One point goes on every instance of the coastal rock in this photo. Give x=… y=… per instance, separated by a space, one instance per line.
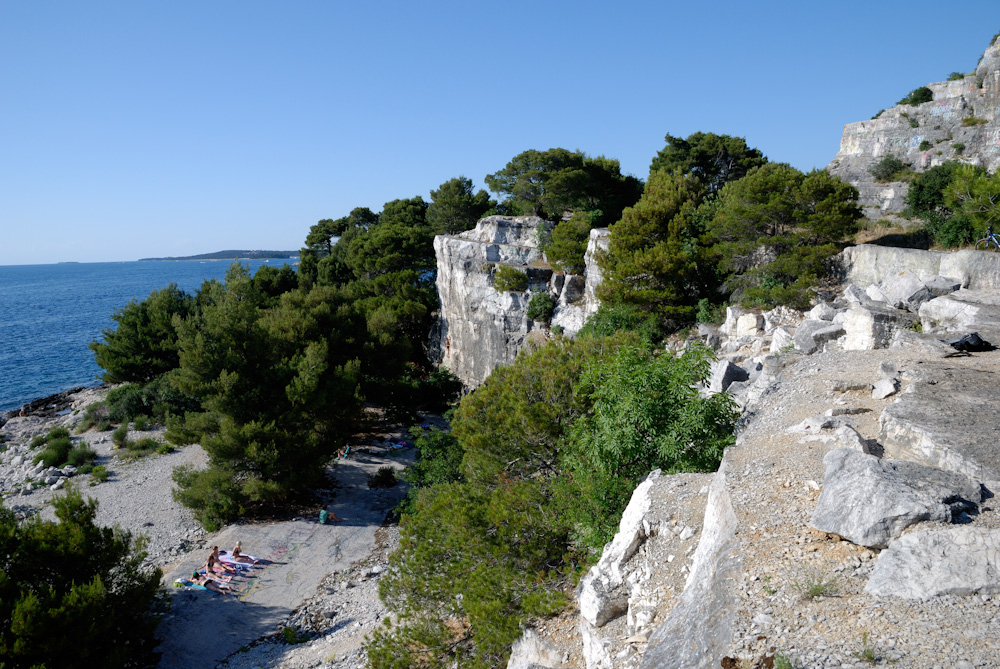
x=533 y=651
x=870 y=501
x=873 y=327
x=480 y=327
x=954 y=561
x=939 y=422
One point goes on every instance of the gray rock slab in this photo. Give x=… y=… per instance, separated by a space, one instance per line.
x=906 y=291
x=947 y=419
x=532 y=651
x=811 y=335
x=955 y=561
x=885 y=388
x=869 y=501
x=699 y=630
x=963 y=312
x=724 y=374
x=873 y=326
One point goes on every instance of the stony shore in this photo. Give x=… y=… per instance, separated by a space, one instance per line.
x=323 y=580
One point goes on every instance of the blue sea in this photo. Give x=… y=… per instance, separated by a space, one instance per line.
x=50 y=313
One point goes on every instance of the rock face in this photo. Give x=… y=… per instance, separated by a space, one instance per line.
x=479 y=327
x=959 y=561
x=945 y=419
x=925 y=135
x=869 y=501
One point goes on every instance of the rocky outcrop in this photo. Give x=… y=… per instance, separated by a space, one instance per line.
x=958 y=561
x=869 y=501
x=946 y=419
x=480 y=328
x=960 y=123
x=867 y=264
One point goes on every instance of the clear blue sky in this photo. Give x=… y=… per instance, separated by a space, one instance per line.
x=132 y=129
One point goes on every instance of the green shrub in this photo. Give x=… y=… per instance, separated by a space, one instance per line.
x=888 y=168
x=81 y=455
x=144 y=446
x=140 y=423
x=55 y=453
x=557 y=330
x=96 y=414
x=956 y=76
x=57 y=433
x=124 y=402
x=949 y=231
x=292 y=636
x=973 y=120
x=103 y=426
x=541 y=307
x=877 y=114
x=925 y=145
x=959 y=148
x=98 y=474
x=612 y=318
x=707 y=312
x=120 y=436
x=75 y=594
x=569 y=244
x=212 y=494
x=509 y=279
x=384 y=477
x=917 y=96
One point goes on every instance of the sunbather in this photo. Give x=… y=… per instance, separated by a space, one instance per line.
x=215 y=563
x=237 y=555
x=209 y=583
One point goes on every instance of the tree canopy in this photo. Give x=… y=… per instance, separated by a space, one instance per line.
x=714 y=160
x=73 y=594
x=455 y=208
x=144 y=343
x=549 y=183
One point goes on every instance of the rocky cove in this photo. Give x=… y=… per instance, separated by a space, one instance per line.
x=853 y=518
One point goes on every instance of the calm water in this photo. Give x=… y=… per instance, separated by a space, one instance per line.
x=50 y=313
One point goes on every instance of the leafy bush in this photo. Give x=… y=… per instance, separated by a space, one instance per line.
x=509 y=279
x=81 y=455
x=212 y=494
x=144 y=446
x=384 y=477
x=917 y=96
x=120 y=436
x=925 y=145
x=74 y=594
x=57 y=445
x=878 y=113
x=55 y=453
x=540 y=466
x=956 y=76
x=959 y=148
x=557 y=330
x=710 y=313
x=541 y=307
x=99 y=474
x=96 y=414
x=888 y=168
x=612 y=318
x=140 y=423
x=973 y=120
x=569 y=244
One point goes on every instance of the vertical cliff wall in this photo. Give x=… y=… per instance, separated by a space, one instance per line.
x=960 y=123
x=480 y=328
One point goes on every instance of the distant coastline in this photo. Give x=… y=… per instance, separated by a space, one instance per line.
x=231 y=255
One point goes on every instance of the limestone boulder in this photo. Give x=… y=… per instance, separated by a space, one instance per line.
x=955 y=561
x=724 y=374
x=962 y=312
x=943 y=420
x=531 y=651
x=873 y=327
x=869 y=501
x=906 y=291
x=781 y=339
x=811 y=335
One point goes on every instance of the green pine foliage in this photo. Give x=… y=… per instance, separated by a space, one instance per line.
x=714 y=160
x=551 y=448
x=508 y=278
x=917 y=96
x=455 y=208
x=144 y=344
x=541 y=306
x=569 y=244
x=774 y=230
x=73 y=594
x=655 y=260
x=889 y=168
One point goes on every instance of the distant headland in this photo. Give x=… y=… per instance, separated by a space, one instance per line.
x=232 y=255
